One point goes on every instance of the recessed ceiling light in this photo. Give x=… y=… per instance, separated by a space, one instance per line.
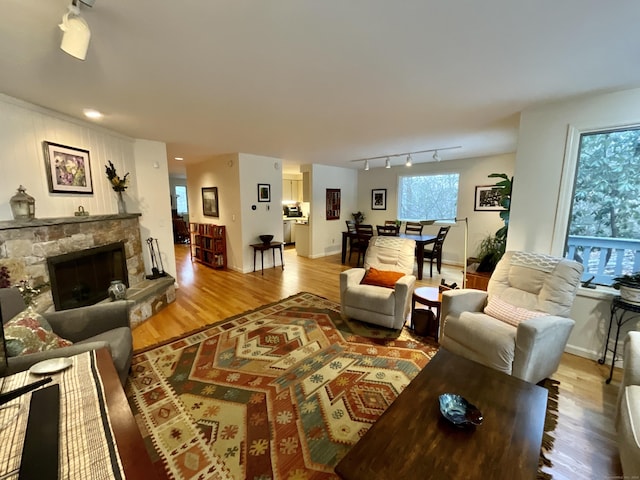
x=91 y=113
x=178 y=158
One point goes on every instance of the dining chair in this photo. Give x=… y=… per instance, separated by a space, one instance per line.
x=353 y=239
x=413 y=228
x=436 y=252
x=364 y=234
x=388 y=230
x=390 y=222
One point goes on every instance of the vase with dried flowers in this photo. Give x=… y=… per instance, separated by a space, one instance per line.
x=118 y=184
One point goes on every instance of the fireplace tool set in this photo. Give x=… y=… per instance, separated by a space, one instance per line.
x=157 y=269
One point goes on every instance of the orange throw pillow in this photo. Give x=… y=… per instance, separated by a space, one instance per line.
x=381 y=278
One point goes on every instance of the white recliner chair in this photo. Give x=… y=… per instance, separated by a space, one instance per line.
x=521 y=324
x=628 y=408
x=384 y=306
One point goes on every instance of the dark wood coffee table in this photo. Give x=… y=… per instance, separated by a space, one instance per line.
x=412 y=440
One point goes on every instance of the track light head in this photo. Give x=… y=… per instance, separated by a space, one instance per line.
x=436 y=157
x=408 y=163
x=366 y=164
x=387 y=163
x=76 y=33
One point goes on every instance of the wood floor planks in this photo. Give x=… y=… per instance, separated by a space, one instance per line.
x=585 y=445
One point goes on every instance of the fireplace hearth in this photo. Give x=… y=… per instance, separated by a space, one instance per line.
x=27 y=246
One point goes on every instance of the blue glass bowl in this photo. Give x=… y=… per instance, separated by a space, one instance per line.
x=459 y=411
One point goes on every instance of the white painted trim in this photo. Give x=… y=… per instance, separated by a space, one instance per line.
x=583 y=352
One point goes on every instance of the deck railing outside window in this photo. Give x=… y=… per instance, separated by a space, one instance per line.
x=604 y=258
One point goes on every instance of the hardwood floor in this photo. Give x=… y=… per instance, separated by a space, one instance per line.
x=585 y=446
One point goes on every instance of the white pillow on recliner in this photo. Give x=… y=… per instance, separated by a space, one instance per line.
x=508 y=313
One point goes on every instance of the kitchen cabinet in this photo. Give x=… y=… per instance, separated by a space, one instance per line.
x=306 y=187
x=292 y=191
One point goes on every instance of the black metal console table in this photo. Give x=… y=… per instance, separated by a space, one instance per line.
x=621 y=313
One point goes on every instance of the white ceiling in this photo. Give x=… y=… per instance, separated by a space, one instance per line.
x=320 y=81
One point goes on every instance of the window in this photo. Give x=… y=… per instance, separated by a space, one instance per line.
x=604 y=223
x=428 y=197
x=181 y=199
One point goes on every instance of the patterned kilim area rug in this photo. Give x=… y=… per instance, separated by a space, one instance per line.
x=280 y=392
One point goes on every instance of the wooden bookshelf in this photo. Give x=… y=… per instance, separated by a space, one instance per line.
x=208 y=244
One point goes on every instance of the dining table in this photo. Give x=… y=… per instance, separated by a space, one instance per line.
x=421 y=241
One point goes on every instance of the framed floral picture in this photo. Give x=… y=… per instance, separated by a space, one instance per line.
x=68 y=169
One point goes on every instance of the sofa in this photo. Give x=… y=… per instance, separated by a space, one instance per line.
x=628 y=411
x=104 y=325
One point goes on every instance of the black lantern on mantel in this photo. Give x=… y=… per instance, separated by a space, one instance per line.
x=23 y=205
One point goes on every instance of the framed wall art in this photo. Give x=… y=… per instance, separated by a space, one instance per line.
x=68 y=169
x=488 y=199
x=333 y=203
x=379 y=199
x=264 y=192
x=210 y=201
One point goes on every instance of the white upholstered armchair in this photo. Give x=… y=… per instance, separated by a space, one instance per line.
x=521 y=324
x=384 y=306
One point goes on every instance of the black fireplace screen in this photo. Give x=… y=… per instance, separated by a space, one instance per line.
x=83 y=278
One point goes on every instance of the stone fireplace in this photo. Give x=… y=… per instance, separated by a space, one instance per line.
x=25 y=247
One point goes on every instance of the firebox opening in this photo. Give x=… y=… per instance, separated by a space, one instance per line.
x=82 y=278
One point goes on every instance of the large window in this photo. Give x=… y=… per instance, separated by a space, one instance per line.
x=604 y=224
x=428 y=197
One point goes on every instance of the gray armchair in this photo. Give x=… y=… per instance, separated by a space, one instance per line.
x=532 y=294
x=104 y=325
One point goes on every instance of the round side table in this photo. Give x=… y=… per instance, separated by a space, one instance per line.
x=429 y=297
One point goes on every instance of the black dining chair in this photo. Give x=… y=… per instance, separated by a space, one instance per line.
x=364 y=232
x=413 y=228
x=353 y=239
x=388 y=230
x=436 y=252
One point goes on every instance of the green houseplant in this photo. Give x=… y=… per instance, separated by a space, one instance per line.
x=492 y=247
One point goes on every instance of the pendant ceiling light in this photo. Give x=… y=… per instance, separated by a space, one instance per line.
x=76 y=33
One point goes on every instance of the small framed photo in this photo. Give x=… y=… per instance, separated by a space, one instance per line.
x=379 y=199
x=210 y=201
x=264 y=192
x=488 y=199
x=68 y=169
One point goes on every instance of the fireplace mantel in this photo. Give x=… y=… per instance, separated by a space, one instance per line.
x=48 y=222
x=25 y=246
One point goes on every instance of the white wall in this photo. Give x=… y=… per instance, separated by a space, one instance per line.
x=23 y=128
x=535 y=201
x=325 y=236
x=266 y=219
x=237 y=177
x=154 y=203
x=473 y=172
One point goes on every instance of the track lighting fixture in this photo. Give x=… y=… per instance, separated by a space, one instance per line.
x=76 y=33
x=409 y=159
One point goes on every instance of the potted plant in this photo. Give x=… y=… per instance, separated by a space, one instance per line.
x=492 y=247
x=358 y=217
x=629 y=286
